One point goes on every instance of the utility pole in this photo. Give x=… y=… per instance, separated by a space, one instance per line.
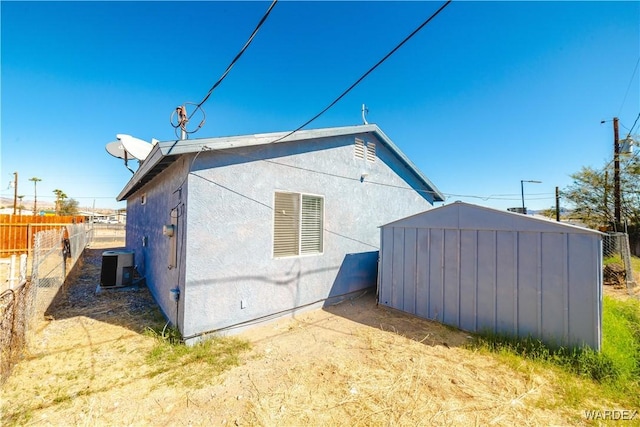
x=522 y=181
x=616 y=174
x=606 y=193
x=35 y=180
x=557 y=204
x=20 y=207
x=15 y=191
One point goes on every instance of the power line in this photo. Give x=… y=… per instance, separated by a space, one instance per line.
x=47 y=197
x=634 y=125
x=181 y=121
x=485 y=198
x=382 y=184
x=635 y=69
x=350 y=178
x=629 y=162
x=335 y=101
x=246 y=45
x=628 y=136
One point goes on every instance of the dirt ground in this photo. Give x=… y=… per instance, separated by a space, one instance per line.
x=350 y=364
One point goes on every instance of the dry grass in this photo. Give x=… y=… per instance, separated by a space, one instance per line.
x=376 y=376
x=350 y=364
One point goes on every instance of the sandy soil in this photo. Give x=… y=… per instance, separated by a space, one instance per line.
x=350 y=364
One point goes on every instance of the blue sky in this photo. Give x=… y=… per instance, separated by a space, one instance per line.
x=486 y=95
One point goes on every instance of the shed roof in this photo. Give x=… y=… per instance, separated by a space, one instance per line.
x=165 y=153
x=465 y=216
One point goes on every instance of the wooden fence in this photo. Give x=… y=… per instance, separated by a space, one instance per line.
x=17 y=231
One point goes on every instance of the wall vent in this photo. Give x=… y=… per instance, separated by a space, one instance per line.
x=371 y=151
x=358 y=151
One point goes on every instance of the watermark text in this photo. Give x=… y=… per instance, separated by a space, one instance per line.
x=613 y=414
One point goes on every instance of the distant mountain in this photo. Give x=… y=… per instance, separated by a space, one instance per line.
x=6 y=202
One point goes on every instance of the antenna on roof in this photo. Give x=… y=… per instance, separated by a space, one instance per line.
x=365 y=110
x=180 y=118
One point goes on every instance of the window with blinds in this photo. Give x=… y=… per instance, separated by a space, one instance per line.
x=297 y=224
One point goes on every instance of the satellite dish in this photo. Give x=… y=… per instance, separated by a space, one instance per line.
x=116 y=149
x=136 y=147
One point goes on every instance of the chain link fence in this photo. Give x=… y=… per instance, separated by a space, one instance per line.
x=13 y=271
x=55 y=253
x=618 y=270
x=14 y=310
x=102 y=235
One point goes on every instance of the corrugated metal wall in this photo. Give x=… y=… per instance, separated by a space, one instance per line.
x=543 y=284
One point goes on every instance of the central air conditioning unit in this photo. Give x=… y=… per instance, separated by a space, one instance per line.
x=117 y=269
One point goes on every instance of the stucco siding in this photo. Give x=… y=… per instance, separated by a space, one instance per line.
x=163 y=205
x=231 y=274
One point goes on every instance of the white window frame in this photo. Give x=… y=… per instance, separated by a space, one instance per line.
x=300 y=223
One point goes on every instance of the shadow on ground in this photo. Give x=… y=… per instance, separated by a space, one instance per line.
x=363 y=308
x=132 y=307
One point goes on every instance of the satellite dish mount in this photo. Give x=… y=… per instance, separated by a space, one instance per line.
x=180 y=119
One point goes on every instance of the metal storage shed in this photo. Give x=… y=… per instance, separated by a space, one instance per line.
x=481 y=269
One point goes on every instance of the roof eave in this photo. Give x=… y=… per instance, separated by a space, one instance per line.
x=437 y=195
x=166 y=152
x=154 y=158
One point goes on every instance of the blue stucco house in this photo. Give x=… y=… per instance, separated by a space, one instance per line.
x=234 y=231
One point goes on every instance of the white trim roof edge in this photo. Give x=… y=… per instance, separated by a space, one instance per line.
x=172 y=148
x=552 y=223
